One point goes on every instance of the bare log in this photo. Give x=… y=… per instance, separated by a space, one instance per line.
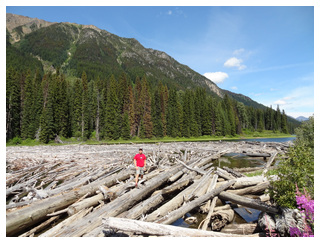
x=241 y=229
x=39 y=227
x=158 y=229
x=34 y=213
x=173 y=216
x=221 y=218
x=261 y=187
x=251 y=203
x=266 y=168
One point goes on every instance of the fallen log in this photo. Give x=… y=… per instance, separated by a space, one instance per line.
x=39 y=227
x=57 y=228
x=221 y=218
x=117 y=206
x=271 y=159
x=173 y=216
x=261 y=187
x=241 y=229
x=158 y=229
x=251 y=203
x=18 y=220
x=207 y=219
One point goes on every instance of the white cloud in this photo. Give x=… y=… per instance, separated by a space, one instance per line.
x=234 y=62
x=234 y=87
x=238 y=52
x=216 y=77
x=169 y=12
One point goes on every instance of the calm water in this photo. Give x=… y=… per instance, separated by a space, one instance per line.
x=278 y=140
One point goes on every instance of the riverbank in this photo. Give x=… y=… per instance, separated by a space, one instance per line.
x=242 y=137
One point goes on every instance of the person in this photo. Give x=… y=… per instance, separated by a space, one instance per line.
x=140 y=164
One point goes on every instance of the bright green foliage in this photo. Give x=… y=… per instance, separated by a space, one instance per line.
x=305 y=133
x=297 y=169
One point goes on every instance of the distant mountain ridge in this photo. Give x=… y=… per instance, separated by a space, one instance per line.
x=302 y=118
x=76 y=48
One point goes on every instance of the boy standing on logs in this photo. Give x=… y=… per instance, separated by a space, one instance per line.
x=140 y=163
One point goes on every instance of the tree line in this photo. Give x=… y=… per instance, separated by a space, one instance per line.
x=43 y=107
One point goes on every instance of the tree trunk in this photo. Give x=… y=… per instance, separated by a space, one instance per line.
x=169 y=219
x=158 y=229
x=20 y=219
x=228 y=196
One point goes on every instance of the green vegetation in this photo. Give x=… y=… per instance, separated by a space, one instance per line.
x=114 y=109
x=297 y=169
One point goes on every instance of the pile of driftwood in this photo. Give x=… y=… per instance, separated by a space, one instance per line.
x=83 y=190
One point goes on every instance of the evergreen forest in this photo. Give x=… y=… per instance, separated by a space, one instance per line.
x=44 y=106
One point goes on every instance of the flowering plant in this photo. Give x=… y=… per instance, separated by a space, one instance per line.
x=306 y=205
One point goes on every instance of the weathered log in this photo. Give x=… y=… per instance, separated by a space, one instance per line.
x=224 y=174
x=251 y=203
x=241 y=229
x=37 y=211
x=117 y=206
x=171 y=205
x=234 y=173
x=207 y=219
x=266 y=168
x=158 y=229
x=39 y=227
x=143 y=207
x=201 y=188
x=173 y=216
x=86 y=203
x=221 y=218
x=261 y=187
x=190 y=168
x=56 y=229
x=264 y=155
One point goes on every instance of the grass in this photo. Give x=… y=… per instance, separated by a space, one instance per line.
x=246 y=135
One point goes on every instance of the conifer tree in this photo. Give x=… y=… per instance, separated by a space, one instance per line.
x=112 y=110
x=147 y=118
x=131 y=113
x=157 y=114
x=172 y=115
x=77 y=108
x=125 y=132
x=284 y=127
x=84 y=107
x=13 y=104
x=164 y=95
x=27 y=120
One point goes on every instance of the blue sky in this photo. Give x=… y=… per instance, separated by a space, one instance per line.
x=266 y=53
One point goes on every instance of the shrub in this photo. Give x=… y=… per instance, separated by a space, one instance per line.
x=296 y=169
x=16 y=141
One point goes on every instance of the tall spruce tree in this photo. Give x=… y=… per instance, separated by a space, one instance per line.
x=77 y=108
x=13 y=104
x=85 y=107
x=157 y=114
x=172 y=115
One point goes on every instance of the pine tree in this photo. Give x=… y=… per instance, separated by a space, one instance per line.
x=13 y=104
x=172 y=115
x=157 y=114
x=84 y=107
x=147 y=118
x=112 y=111
x=28 y=128
x=47 y=123
x=284 y=127
x=164 y=95
x=125 y=133
x=77 y=109
x=131 y=112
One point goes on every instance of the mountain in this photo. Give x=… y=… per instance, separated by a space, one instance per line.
x=302 y=118
x=77 y=48
x=244 y=99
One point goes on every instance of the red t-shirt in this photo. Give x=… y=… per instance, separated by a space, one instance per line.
x=140 y=158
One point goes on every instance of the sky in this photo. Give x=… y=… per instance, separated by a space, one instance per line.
x=265 y=53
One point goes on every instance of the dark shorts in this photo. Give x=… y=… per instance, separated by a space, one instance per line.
x=139 y=171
